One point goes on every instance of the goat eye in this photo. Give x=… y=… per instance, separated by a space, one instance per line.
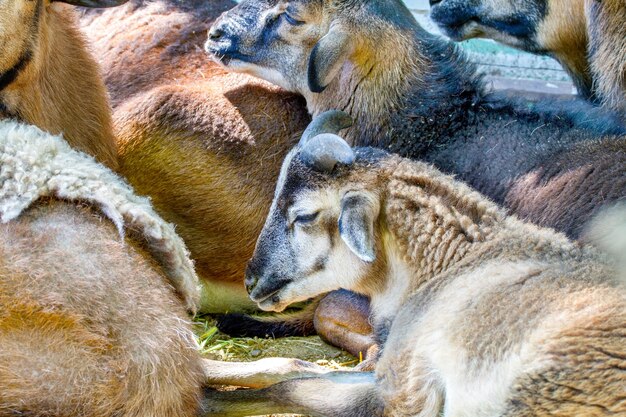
x=306 y=218
x=291 y=20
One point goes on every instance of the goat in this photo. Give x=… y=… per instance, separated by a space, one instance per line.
x=174 y=117
x=481 y=314
x=415 y=94
x=585 y=36
x=90 y=320
x=607 y=51
x=410 y=92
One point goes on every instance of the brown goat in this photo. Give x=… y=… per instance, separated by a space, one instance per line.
x=588 y=37
x=204 y=144
x=90 y=323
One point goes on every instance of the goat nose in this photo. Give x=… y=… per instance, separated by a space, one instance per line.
x=215 y=33
x=433 y=2
x=250 y=280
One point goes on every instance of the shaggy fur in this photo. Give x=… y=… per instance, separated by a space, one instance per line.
x=90 y=324
x=426 y=101
x=204 y=144
x=36 y=165
x=491 y=315
x=415 y=94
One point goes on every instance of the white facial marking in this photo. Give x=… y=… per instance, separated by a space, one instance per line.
x=312 y=244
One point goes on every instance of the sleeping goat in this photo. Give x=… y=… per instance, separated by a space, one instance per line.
x=480 y=313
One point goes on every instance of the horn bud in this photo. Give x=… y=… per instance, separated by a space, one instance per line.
x=321 y=147
x=331 y=121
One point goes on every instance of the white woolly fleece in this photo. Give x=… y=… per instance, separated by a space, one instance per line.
x=35 y=164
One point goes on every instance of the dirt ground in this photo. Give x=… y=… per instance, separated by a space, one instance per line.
x=219 y=346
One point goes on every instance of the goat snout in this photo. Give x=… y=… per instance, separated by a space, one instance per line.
x=250 y=281
x=215 y=33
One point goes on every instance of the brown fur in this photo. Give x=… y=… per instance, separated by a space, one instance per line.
x=205 y=145
x=586 y=36
x=427 y=102
x=416 y=95
x=563 y=34
x=89 y=324
x=590 y=180
x=606 y=20
x=60 y=90
x=89 y=327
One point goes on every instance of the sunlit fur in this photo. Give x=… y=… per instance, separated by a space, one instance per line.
x=607 y=51
x=90 y=323
x=480 y=313
x=59 y=88
x=204 y=144
x=414 y=94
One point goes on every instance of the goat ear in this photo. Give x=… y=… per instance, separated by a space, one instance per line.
x=94 y=3
x=356 y=224
x=327 y=57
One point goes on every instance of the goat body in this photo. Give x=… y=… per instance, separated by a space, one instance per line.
x=96 y=298
x=414 y=94
x=489 y=315
x=88 y=271
x=204 y=144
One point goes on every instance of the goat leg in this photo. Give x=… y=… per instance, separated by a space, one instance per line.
x=336 y=394
x=261 y=373
x=342 y=319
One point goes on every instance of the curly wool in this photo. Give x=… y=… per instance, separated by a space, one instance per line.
x=36 y=164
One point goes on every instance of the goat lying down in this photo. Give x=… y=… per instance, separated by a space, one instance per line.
x=480 y=313
x=553 y=164
x=38 y=165
x=63 y=266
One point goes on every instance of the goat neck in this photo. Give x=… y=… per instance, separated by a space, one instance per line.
x=447 y=221
x=390 y=79
x=563 y=33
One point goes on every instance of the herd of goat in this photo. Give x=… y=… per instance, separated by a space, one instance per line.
x=164 y=158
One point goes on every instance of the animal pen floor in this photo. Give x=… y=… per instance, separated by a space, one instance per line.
x=219 y=346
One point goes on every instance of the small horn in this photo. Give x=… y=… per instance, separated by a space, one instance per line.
x=325 y=150
x=331 y=121
x=94 y=3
